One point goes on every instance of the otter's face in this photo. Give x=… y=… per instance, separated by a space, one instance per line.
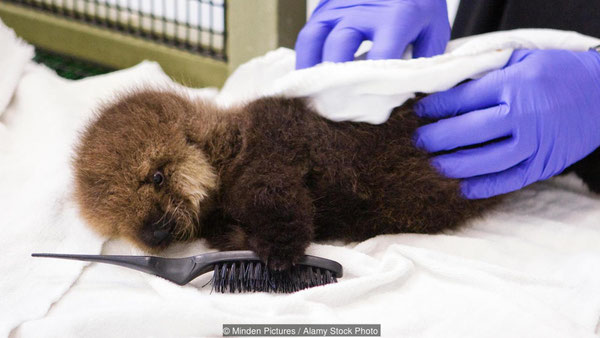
x=138 y=176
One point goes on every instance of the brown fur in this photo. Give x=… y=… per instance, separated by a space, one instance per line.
x=270 y=176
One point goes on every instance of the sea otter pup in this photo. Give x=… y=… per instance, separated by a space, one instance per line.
x=270 y=176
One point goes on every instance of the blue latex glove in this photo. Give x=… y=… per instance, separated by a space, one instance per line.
x=338 y=27
x=542 y=108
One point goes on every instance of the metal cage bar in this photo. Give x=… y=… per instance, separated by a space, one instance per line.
x=196 y=42
x=149 y=19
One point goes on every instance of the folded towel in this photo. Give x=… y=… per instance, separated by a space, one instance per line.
x=368 y=90
x=531 y=268
x=15 y=55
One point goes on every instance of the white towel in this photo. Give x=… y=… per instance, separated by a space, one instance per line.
x=531 y=269
x=367 y=90
x=15 y=55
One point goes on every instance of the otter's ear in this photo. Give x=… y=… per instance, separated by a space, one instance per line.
x=192 y=127
x=197 y=121
x=207 y=121
x=196 y=132
x=190 y=137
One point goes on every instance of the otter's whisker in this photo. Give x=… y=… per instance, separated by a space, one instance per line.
x=165 y=213
x=191 y=229
x=173 y=213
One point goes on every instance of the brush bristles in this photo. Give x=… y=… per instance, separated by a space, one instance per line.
x=255 y=277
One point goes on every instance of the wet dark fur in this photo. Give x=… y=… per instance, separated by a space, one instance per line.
x=299 y=177
x=272 y=176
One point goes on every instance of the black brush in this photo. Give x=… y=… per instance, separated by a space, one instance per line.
x=234 y=271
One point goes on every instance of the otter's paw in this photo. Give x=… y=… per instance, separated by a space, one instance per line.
x=278 y=256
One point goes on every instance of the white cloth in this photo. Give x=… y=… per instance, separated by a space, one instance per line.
x=531 y=269
x=367 y=90
x=15 y=55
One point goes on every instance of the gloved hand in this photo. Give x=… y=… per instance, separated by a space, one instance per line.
x=542 y=109
x=338 y=27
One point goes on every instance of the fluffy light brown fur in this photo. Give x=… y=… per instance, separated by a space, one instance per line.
x=270 y=176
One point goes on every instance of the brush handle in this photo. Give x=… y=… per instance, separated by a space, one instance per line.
x=183 y=270
x=174 y=269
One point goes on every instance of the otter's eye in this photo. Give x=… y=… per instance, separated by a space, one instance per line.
x=158 y=178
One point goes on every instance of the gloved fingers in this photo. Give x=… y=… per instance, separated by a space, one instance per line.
x=309 y=44
x=388 y=44
x=431 y=42
x=464 y=130
x=473 y=95
x=494 y=184
x=341 y=44
x=491 y=158
x=517 y=56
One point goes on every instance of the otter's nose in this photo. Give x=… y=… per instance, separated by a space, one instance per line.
x=157 y=232
x=160 y=235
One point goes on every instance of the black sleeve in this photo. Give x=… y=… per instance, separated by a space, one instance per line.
x=477 y=16
x=588 y=169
